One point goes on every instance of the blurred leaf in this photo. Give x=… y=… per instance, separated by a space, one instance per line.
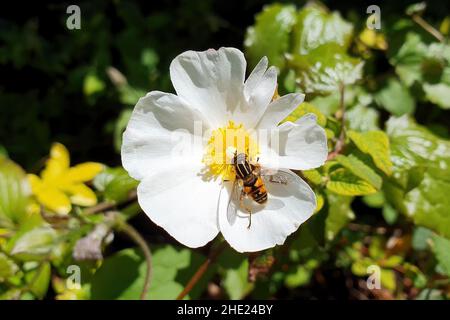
x=360 y=169
x=92 y=84
x=441 y=249
x=445 y=26
x=343 y=182
x=431 y=294
x=325 y=69
x=373 y=39
x=270 y=34
x=306 y=108
x=375 y=200
x=172 y=268
x=390 y=215
x=388 y=279
x=395 y=98
x=39 y=279
x=129 y=95
x=362 y=118
x=339 y=214
x=120 y=126
x=438 y=94
x=359 y=267
x=377 y=248
x=376 y=144
x=115 y=183
x=421 y=238
x=14 y=191
x=7 y=267
x=416 y=8
x=408 y=58
x=35 y=244
x=427 y=202
x=414 y=273
x=316 y=27
x=234 y=270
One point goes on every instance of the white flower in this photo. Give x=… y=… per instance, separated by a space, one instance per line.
x=169 y=145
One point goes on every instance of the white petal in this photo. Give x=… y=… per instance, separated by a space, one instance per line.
x=300 y=146
x=183 y=202
x=279 y=109
x=211 y=81
x=258 y=91
x=287 y=207
x=160 y=131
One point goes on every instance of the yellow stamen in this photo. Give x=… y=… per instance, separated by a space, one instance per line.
x=223 y=144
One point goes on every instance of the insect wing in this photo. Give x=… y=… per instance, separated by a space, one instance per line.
x=234 y=199
x=280 y=176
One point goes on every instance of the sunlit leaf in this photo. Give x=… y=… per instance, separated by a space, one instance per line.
x=360 y=169
x=343 y=182
x=270 y=34
x=316 y=27
x=395 y=98
x=306 y=108
x=376 y=144
x=441 y=249
x=14 y=191
x=35 y=244
x=339 y=214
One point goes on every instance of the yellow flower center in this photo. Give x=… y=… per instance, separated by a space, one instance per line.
x=223 y=144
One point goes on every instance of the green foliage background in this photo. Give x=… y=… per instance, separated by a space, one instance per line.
x=383 y=98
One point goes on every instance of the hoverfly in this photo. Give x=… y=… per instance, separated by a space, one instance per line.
x=250 y=182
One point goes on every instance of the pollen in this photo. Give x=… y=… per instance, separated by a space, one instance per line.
x=223 y=144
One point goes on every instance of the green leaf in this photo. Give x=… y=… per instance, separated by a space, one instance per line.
x=375 y=200
x=359 y=267
x=14 y=192
x=441 y=249
x=431 y=294
x=426 y=199
x=316 y=27
x=313 y=176
x=362 y=118
x=360 y=169
x=172 y=268
x=7 y=267
x=305 y=108
x=375 y=144
x=270 y=34
x=234 y=271
x=395 y=98
x=390 y=215
x=115 y=183
x=343 y=182
x=438 y=93
x=39 y=279
x=339 y=214
x=421 y=238
x=92 y=84
x=408 y=58
x=35 y=244
x=325 y=69
x=120 y=126
x=388 y=279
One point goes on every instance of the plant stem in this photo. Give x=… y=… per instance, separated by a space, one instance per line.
x=103 y=206
x=340 y=142
x=201 y=270
x=137 y=238
x=428 y=27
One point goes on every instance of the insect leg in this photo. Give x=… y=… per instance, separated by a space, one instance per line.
x=241 y=202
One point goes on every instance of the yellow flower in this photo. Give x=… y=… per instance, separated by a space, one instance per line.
x=61 y=185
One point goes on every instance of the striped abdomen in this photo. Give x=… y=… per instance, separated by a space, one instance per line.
x=253 y=185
